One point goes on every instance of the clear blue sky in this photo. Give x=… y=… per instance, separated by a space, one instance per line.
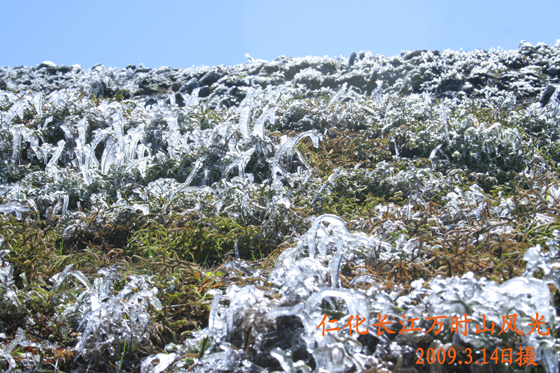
x=213 y=32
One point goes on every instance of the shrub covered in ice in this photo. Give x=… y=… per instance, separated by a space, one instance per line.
x=109 y=324
x=306 y=286
x=115 y=321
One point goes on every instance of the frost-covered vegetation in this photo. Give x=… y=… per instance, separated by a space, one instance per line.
x=205 y=219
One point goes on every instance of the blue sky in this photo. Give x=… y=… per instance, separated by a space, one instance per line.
x=215 y=32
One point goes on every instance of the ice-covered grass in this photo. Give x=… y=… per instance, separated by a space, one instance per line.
x=206 y=219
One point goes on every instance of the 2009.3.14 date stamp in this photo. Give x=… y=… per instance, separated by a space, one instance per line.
x=524 y=357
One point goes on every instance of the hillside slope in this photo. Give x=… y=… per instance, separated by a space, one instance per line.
x=209 y=219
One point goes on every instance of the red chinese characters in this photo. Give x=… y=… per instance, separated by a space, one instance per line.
x=458 y=324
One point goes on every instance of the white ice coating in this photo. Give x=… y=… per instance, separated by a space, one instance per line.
x=164 y=361
x=317 y=229
x=14 y=207
x=51 y=166
x=338 y=95
x=308 y=279
x=214 y=310
x=245 y=112
x=268 y=114
x=240 y=163
x=196 y=167
x=302 y=287
x=6 y=352
x=124 y=315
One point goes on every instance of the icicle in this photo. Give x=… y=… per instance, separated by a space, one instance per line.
x=408 y=211
x=287 y=149
x=197 y=165
x=355 y=301
x=302 y=159
x=14 y=207
x=433 y=153
x=118 y=131
x=6 y=353
x=443 y=111
x=89 y=153
x=51 y=166
x=19 y=109
x=236 y=249
x=82 y=149
x=338 y=94
x=65 y=202
x=245 y=111
x=33 y=140
x=131 y=142
x=108 y=157
x=377 y=93
x=427 y=98
x=258 y=130
x=241 y=163
x=284 y=311
x=285 y=361
x=38 y=103
x=16 y=145
x=244 y=114
x=47 y=121
x=212 y=318
x=82 y=128
x=396 y=149
x=388 y=108
x=58 y=206
x=312 y=235
x=165 y=360
x=193 y=99
x=68 y=135
x=206 y=176
x=334 y=268
x=172 y=122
